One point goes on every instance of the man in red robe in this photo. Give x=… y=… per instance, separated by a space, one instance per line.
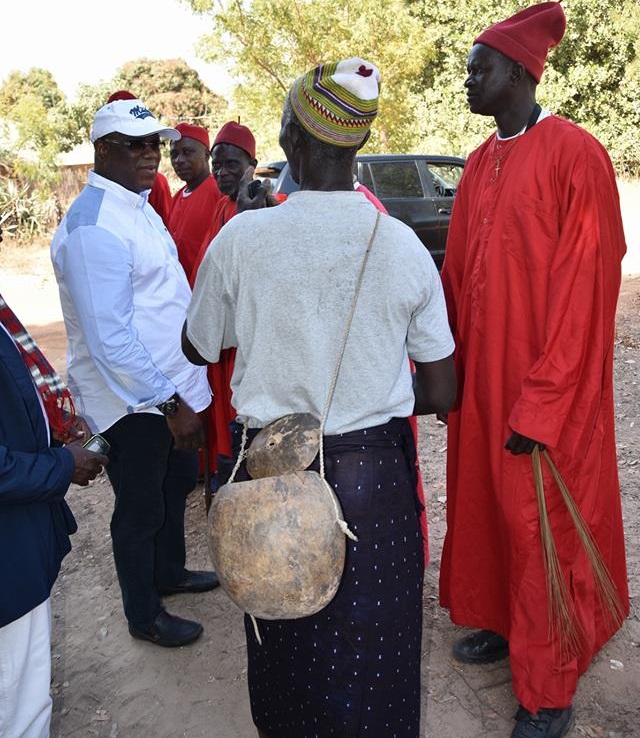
x=232 y=154
x=531 y=276
x=193 y=206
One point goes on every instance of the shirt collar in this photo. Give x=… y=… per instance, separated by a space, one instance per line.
x=133 y=199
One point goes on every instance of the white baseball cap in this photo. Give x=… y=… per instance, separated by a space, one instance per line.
x=130 y=117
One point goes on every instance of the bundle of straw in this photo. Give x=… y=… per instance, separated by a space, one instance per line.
x=562 y=618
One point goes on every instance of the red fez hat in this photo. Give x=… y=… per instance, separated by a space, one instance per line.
x=527 y=36
x=198 y=133
x=121 y=95
x=237 y=135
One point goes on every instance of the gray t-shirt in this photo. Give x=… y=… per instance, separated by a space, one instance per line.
x=278 y=283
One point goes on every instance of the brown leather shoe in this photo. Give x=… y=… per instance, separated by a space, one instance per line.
x=481 y=647
x=169 y=631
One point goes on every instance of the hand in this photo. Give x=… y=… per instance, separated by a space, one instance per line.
x=272 y=201
x=79 y=431
x=186 y=428
x=244 y=201
x=87 y=464
x=519 y=444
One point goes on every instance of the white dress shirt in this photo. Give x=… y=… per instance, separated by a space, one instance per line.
x=124 y=297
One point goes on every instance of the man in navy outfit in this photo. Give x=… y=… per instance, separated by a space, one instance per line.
x=35 y=524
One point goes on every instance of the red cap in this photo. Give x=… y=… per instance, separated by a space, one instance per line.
x=527 y=36
x=198 y=133
x=121 y=95
x=237 y=135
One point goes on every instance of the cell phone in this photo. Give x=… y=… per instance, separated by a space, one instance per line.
x=253 y=188
x=98 y=444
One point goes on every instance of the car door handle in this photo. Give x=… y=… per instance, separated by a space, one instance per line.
x=444 y=211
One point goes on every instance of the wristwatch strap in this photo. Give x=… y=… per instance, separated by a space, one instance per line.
x=170 y=407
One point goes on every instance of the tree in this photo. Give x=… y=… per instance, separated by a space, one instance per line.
x=267 y=44
x=36 y=125
x=37 y=83
x=173 y=91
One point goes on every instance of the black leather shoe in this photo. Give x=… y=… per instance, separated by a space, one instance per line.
x=481 y=647
x=194 y=581
x=546 y=723
x=169 y=631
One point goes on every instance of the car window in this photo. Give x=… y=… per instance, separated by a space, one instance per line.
x=445 y=178
x=365 y=176
x=394 y=179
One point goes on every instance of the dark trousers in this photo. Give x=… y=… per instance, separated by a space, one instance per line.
x=151 y=481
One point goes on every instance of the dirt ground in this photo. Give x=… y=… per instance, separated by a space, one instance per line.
x=107 y=685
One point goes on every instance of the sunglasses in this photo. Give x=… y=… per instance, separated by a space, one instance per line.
x=136 y=146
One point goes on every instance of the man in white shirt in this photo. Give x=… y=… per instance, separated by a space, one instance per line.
x=124 y=297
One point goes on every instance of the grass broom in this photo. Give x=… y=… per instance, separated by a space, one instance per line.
x=561 y=614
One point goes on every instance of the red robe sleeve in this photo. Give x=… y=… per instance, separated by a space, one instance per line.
x=160 y=197
x=561 y=395
x=453 y=269
x=225 y=210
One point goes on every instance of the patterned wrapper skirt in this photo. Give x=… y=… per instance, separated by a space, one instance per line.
x=353 y=669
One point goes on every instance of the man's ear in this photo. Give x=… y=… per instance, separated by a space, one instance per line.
x=517 y=73
x=293 y=134
x=365 y=139
x=100 y=149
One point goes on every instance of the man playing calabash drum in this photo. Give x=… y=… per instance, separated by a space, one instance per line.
x=353 y=668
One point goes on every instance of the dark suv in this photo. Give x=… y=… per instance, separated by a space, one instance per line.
x=418 y=189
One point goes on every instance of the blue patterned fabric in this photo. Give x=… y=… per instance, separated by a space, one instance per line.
x=353 y=669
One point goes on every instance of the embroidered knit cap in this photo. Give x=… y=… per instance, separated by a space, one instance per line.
x=527 y=36
x=130 y=117
x=337 y=102
x=198 y=133
x=237 y=135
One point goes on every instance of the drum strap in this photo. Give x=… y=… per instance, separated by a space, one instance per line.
x=345 y=337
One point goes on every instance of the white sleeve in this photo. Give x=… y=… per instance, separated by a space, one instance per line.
x=210 y=316
x=429 y=336
x=96 y=268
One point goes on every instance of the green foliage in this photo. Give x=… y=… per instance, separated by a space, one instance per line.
x=266 y=45
x=37 y=83
x=89 y=99
x=30 y=213
x=173 y=91
x=421 y=47
x=35 y=126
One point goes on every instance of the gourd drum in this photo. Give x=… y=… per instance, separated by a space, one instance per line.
x=288 y=444
x=277 y=545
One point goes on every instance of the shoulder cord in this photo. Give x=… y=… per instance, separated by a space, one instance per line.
x=347 y=329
